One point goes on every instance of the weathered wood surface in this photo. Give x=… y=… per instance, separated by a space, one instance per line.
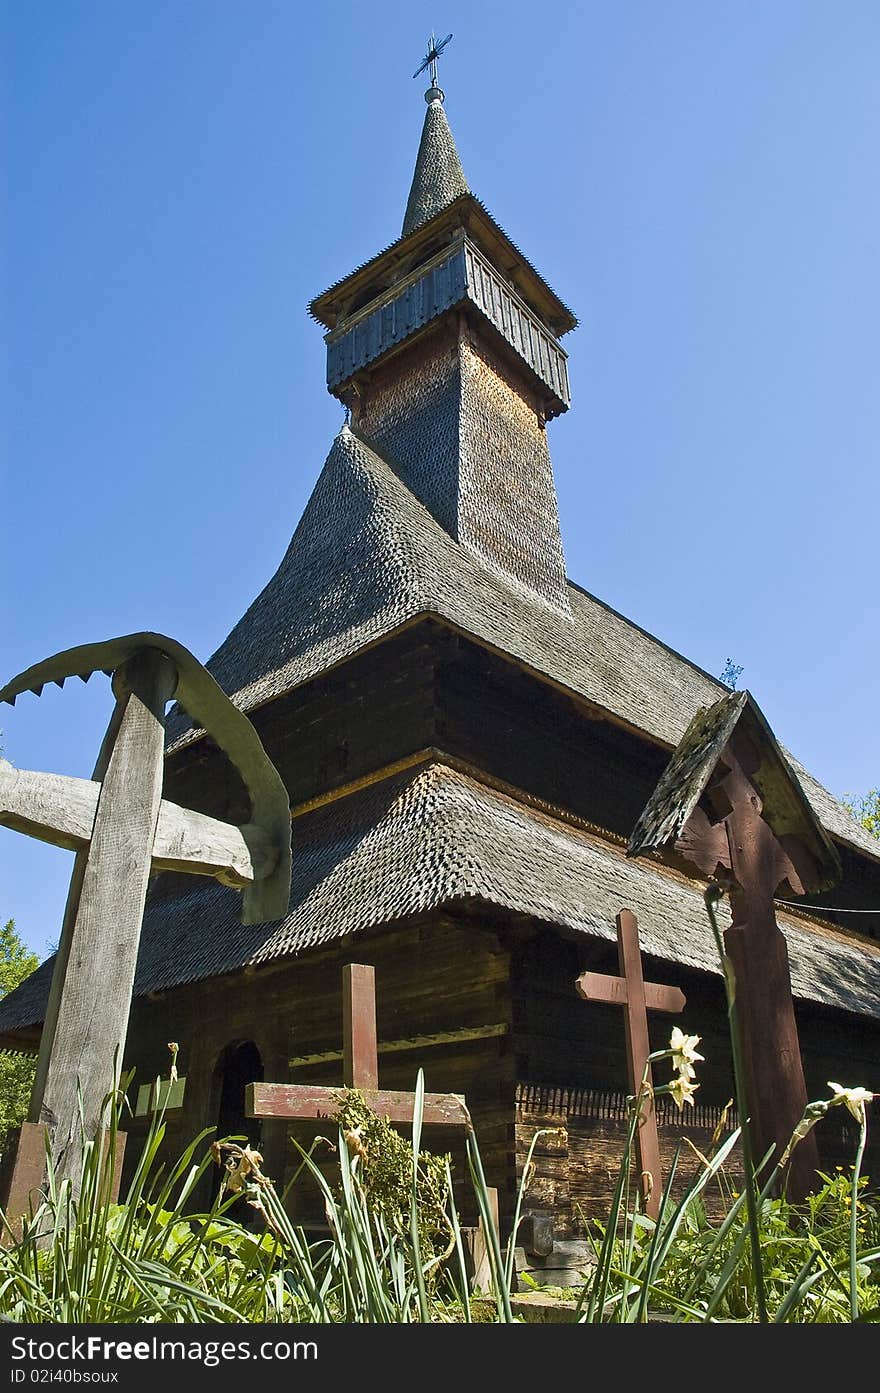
x=359 y=1050
x=265 y=898
x=294 y=1007
x=753 y=832
x=636 y=996
x=21 y=1177
x=697 y=774
x=318 y=1102
x=410 y=1043
x=113 y=822
x=575 y=1166
x=361 y=1060
x=598 y=986
x=759 y=864
x=83 y=1051
x=481 y=1279
x=61 y=810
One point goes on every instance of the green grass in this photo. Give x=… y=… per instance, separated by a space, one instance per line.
x=154 y=1257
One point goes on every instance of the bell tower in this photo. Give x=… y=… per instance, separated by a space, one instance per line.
x=445 y=348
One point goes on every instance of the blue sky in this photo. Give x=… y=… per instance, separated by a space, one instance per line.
x=697 y=180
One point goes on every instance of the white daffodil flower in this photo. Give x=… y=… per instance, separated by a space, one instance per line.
x=684 y=1052
x=854 y=1098
x=683 y=1091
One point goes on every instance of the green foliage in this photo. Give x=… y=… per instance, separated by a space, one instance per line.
x=385 y=1162
x=394 y=1250
x=82 y=1259
x=708 y=1273
x=16 y=961
x=865 y=809
x=16 y=1070
x=155 y=1258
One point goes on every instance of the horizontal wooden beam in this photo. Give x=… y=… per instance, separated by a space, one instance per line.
x=597 y=986
x=414 y=1042
x=298 y=1102
x=61 y=810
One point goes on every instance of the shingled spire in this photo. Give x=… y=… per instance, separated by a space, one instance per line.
x=438 y=177
x=445 y=349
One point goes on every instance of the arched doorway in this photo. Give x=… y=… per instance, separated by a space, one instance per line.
x=239 y=1064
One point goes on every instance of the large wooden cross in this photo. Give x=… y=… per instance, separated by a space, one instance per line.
x=729 y=808
x=637 y=997
x=122 y=830
x=360 y=1070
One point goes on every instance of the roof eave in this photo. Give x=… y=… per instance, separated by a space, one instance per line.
x=469 y=212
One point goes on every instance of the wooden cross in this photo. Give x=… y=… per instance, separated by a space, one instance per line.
x=122 y=829
x=637 y=997
x=361 y=1071
x=730 y=808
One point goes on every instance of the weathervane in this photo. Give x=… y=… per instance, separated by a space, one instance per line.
x=430 y=60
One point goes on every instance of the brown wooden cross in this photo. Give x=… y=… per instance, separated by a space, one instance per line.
x=729 y=808
x=755 y=864
x=361 y=1071
x=637 y=997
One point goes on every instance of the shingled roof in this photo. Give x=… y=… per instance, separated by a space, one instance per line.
x=439 y=177
x=434 y=836
x=368 y=557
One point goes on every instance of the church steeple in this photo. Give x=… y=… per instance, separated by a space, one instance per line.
x=445 y=349
x=439 y=177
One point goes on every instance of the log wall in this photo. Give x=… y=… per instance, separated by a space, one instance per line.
x=434 y=977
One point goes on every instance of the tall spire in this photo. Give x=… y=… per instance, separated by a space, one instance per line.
x=445 y=349
x=439 y=177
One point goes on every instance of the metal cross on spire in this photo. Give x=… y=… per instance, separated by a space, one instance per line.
x=430 y=58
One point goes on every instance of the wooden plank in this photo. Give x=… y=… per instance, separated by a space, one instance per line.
x=200 y=845
x=68 y=923
x=360 y=1055
x=21 y=1177
x=51 y=808
x=61 y=810
x=598 y=986
x=479 y=1247
x=412 y=1042
x=93 y=1010
x=638 y=1048
x=317 y=1102
x=164 y=1094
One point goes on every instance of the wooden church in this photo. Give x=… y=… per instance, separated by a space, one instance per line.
x=468 y=739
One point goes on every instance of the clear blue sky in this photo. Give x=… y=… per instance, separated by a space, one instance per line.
x=697 y=180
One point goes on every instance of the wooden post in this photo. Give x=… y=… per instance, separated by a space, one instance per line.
x=21 y=1176
x=479 y=1245
x=359 y=1048
x=637 y=997
x=84 y=1035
